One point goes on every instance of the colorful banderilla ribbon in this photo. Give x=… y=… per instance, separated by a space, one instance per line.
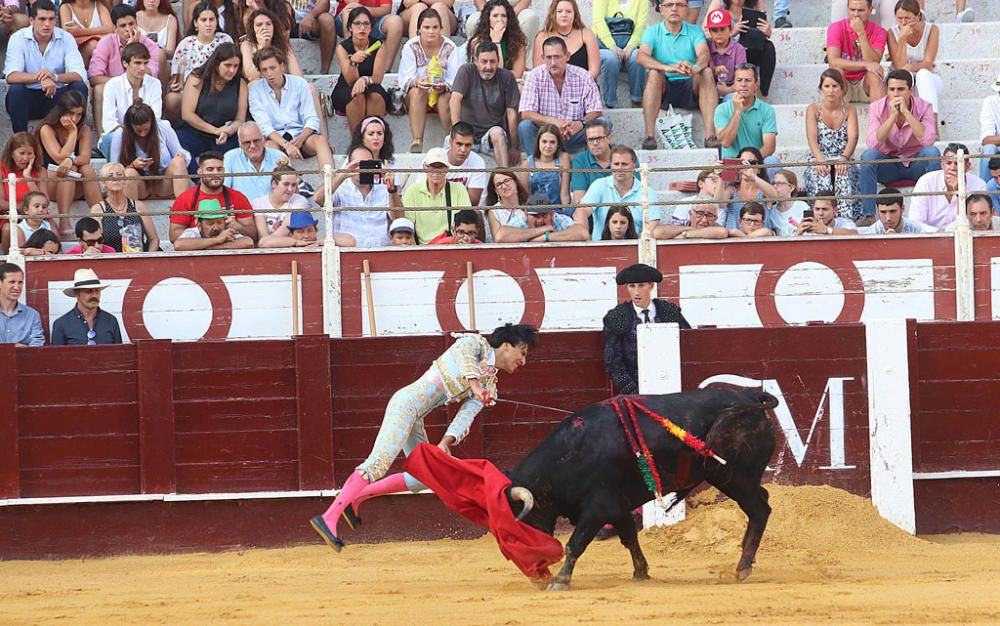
x=687 y=438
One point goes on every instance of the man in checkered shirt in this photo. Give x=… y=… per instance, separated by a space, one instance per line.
x=558 y=93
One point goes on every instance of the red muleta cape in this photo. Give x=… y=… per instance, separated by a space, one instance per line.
x=476 y=490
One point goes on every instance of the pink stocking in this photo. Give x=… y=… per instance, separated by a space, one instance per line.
x=354 y=485
x=390 y=484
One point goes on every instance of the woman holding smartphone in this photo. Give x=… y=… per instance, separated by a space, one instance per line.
x=146 y=146
x=751 y=185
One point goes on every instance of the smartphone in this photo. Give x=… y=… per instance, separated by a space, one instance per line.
x=370 y=178
x=754 y=17
x=807 y=214
x=731 y=176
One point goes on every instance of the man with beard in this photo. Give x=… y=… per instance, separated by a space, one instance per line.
x=86 y=324
x=212 y=172
x=215 y=231
x=486 y=96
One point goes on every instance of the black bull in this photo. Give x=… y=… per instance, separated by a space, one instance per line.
x=585 y=469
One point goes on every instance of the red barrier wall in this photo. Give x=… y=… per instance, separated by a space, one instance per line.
x=293 y=416
x=956 y=426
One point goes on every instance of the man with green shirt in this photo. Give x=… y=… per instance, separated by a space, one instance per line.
x=432 y=192
x=746 y=121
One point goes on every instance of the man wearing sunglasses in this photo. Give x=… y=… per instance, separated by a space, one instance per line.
x=90 y=236
x=86 y=324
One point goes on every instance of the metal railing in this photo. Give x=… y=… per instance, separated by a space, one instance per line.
x=646 y=243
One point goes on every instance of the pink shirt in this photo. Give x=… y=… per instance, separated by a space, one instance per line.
x=901 y=142
x=107 y=57
x=937 y=211
x=840 y=35
x=78 y=249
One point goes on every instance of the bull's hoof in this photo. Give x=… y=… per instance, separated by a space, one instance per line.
x=639 y=577
x=557 y=586
x=743 y=574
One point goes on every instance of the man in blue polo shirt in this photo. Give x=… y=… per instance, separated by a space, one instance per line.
x=677 y=55
x=621 y=186
x=746 y=121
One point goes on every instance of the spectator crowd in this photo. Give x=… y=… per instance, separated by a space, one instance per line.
x=216 y=92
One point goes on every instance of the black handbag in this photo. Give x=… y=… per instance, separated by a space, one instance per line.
x=621 y=29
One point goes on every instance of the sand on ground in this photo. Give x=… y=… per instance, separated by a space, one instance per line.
x=826 y=558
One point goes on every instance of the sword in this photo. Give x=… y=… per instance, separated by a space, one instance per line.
x=536 y=406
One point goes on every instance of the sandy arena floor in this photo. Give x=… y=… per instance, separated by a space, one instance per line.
x=826 y=558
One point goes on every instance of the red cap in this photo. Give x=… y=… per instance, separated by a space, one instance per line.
x=719 y=18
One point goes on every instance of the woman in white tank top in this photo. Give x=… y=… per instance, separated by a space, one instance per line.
x=913 y=46
x=87 y=21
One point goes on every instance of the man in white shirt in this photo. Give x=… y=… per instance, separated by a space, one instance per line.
x=283 y=106
x=989 y=128
x=106 y=62
x=120 y=92
x=940 y=210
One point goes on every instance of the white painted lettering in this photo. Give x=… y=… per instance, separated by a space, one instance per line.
x=833 y=394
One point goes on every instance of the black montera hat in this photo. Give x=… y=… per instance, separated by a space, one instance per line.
x=638 y=273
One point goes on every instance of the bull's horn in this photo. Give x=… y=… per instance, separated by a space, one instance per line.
x=523 y=495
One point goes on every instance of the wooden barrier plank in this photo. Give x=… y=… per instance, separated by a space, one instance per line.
x=78 y=419
x=156 y=416
x=236 y=477
x=76 y=385
x=314 y=391
x=234 y=414
x=81 y=453
x=10 y=461
x=226 y=381
x=71 y=481
x=231 y=447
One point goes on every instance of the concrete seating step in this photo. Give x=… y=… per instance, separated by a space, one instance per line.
x=958 y=41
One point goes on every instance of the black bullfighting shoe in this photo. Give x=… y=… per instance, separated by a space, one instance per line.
x=324 y=531
x=351 y=517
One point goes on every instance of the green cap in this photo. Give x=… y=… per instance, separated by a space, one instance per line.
x=210 y=210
